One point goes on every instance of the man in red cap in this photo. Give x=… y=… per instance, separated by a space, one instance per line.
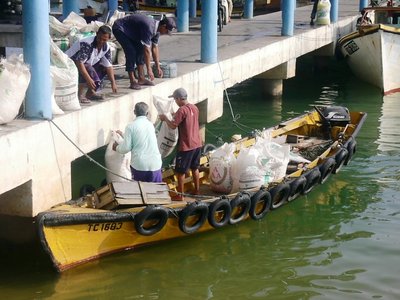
x=189 y=143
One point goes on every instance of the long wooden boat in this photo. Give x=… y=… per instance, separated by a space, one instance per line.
x=373 y=50
x=127 y=215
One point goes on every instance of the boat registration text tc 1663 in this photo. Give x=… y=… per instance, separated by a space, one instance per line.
x=105 y=226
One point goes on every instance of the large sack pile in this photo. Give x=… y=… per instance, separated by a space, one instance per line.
x=264 y=162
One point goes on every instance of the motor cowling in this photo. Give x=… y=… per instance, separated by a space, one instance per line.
x=336 y=115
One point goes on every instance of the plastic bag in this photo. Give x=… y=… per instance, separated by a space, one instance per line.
x=14 y=81
x=323 y=12
x=116 y=162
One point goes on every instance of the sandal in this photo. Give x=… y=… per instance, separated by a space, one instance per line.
x=146 y=82
x=94 y=97
x=135 y=86
x=84 y=100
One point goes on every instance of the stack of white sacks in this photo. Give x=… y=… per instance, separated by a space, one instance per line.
x=255 y=166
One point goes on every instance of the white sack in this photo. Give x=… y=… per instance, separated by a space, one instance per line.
x=250 y=172
x=65 y=79
x=14 y=81
x=222 y=168
x=116 y=162
x=167 y=138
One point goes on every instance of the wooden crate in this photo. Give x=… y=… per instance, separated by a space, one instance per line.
x=140 y=193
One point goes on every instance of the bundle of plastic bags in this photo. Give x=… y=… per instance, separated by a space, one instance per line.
x=14 y=81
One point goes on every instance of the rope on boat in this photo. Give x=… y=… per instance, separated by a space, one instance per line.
x=236 y=117
x=108 y=170
x=87 y=155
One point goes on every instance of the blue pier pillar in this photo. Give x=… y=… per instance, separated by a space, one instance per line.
x=334 y=11
x=112 y=6
x=183 y=16
x=288 y=7
x=363 y=4
x=248 y=9
x=192 y=8
x=36 y=44
x=68 y=7
x=209 y=21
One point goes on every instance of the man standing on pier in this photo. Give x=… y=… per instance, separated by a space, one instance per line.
x=189 y=143
x=138 y=35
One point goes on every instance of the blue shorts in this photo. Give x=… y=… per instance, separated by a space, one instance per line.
x=187 y=159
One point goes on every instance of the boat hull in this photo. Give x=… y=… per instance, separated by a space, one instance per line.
x=372 y=54
x=74 y=233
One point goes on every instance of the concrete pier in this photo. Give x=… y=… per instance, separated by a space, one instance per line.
x=36 y=157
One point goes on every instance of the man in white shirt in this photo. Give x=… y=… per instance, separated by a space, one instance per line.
x=140 y=139
x=92 y=57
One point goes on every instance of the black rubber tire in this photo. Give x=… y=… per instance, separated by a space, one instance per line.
x=279 y=195
x=340 y=158
x=86 y=189
x=297 y=187
x=198 y=209
x=263 y=196
x=351 y=148
x=151 y=212
x=312 y=177
x=242 y=201
x=326 y=169
x=220 y=205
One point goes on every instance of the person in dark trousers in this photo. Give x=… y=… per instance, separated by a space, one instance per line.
x=314 y=12
x=186 y=119
x=92 y=57
x=138 y=35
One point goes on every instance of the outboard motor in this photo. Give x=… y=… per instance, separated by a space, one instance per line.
x=335 y=115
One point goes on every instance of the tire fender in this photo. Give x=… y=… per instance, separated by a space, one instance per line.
x=297 y=187
x=326 y=169
x=216 y=208
x=351 y=148
x=196 y=209
x=151 y=212
x=279 y=195
x=340 y=158
x=240 y=206
x=261 y=196
x=312 y=177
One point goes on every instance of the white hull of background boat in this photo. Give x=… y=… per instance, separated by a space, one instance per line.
x=373 y=55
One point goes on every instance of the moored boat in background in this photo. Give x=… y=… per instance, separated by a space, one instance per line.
x=127 y=215
x=373 y=51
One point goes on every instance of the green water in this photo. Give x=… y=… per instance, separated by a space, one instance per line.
x=339 y=242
